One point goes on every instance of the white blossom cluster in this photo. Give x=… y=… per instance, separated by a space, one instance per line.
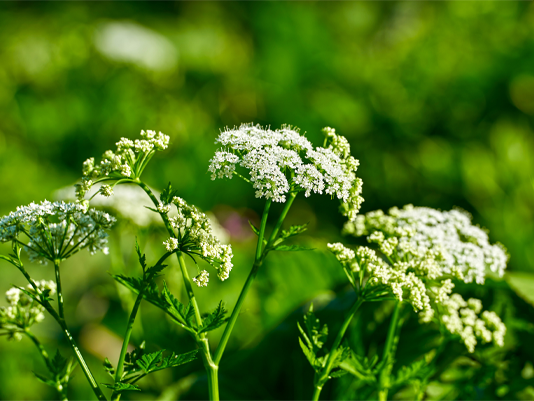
x=23 y=311
x=465 y=249
x=128 y=161
x=282 y=161
x=464 y=319
x=195 y=236
x=419 y=280
x=55 y=230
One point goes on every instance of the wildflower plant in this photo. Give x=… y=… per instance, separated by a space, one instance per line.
x=414 y=258
x=418 y=253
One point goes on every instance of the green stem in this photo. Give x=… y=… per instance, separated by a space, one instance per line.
x=211 y=368
x=317 y=392
x=388 y=355
x=59 y=291
x=257 y=263
x=322 y=379
x=120 y=365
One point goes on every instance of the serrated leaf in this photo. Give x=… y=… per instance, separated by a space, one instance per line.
x=120 y=387
x=214 y=320
x=167 y=194
x=184 y=313
x=317 y=334
x=141 y=257
x=174 y=360
x=359 y=366
x=58 y=364
x=45 y=380
x=133 y=283
x=256 y=231
x=149 y=362
x=291 y=248
x=417 y=370
x=293 y=230
x=309 y=354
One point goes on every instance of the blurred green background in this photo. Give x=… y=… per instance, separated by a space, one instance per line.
x=436 y=99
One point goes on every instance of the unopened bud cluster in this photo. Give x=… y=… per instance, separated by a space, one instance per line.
x=127 y=161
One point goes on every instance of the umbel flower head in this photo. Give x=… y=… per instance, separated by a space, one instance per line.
x=127 y=162
x=23 y=311
x=284 y=161
x=194 y=236
x=56 y=230
x=418 y=280
x=464 y=249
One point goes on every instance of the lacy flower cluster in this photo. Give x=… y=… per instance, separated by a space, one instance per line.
x=56 y=230
x=194 y=236
x=23 y=311
x=283 y=161
x=464 y=248
x=128 y=161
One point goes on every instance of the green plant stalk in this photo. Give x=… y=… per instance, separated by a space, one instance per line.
x=59 y=291
x=383 y=380
x=322 y=379
x=258 y=261
x=60 y=389
x=115 y=396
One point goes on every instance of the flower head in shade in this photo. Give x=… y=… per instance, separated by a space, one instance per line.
x=127 y=162
x=464 y=249
x=281 y=161
x=194 y=236
x=23 y=311
x=56 y=230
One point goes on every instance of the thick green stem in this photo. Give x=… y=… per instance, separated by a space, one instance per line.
x=126 y=341
x=388 y=354
x=252 y=275
x=317 y=393
x=323 y=377
x=211 y=368
x=59 y=291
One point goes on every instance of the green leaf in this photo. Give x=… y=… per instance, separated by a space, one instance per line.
x=337 y=373
x=149 y=362
x=359 y=366
x=214 y=320
x=415 y=371
x=256 y=231
x=291 y=248
x=155 y=361
x=293 y=230
x=58 y=364
x=133 y=283
x=167 y=194
x=523 y=285
x=141 y=256
x=310 y=356
x=120 y=387
x=185 y=314
x=45 y=380
x=316 y=333
x=108 y=367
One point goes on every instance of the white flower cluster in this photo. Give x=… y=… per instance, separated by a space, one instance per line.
x=418 y=279
x=23 y=311
x=463 y=318
x=464 y=249
x=127 y=161
x=283 y=160
x=195 y=237
x=55 y=230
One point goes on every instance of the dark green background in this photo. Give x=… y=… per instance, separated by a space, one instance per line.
x=436 y=99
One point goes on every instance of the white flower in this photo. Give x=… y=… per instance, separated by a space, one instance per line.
x=55 y=230
x=283 y=160
x=462 y=250
x=171 y=244
x=128 y=160
x=202 y=279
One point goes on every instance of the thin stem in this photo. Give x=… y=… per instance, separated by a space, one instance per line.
x=59 y=292
x=126 y=341
x=281 y=219
x=321 y=380
x=189 y=288
x=388 y=354
x=257 y=263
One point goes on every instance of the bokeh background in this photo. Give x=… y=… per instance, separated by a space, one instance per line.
x=436 y=98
